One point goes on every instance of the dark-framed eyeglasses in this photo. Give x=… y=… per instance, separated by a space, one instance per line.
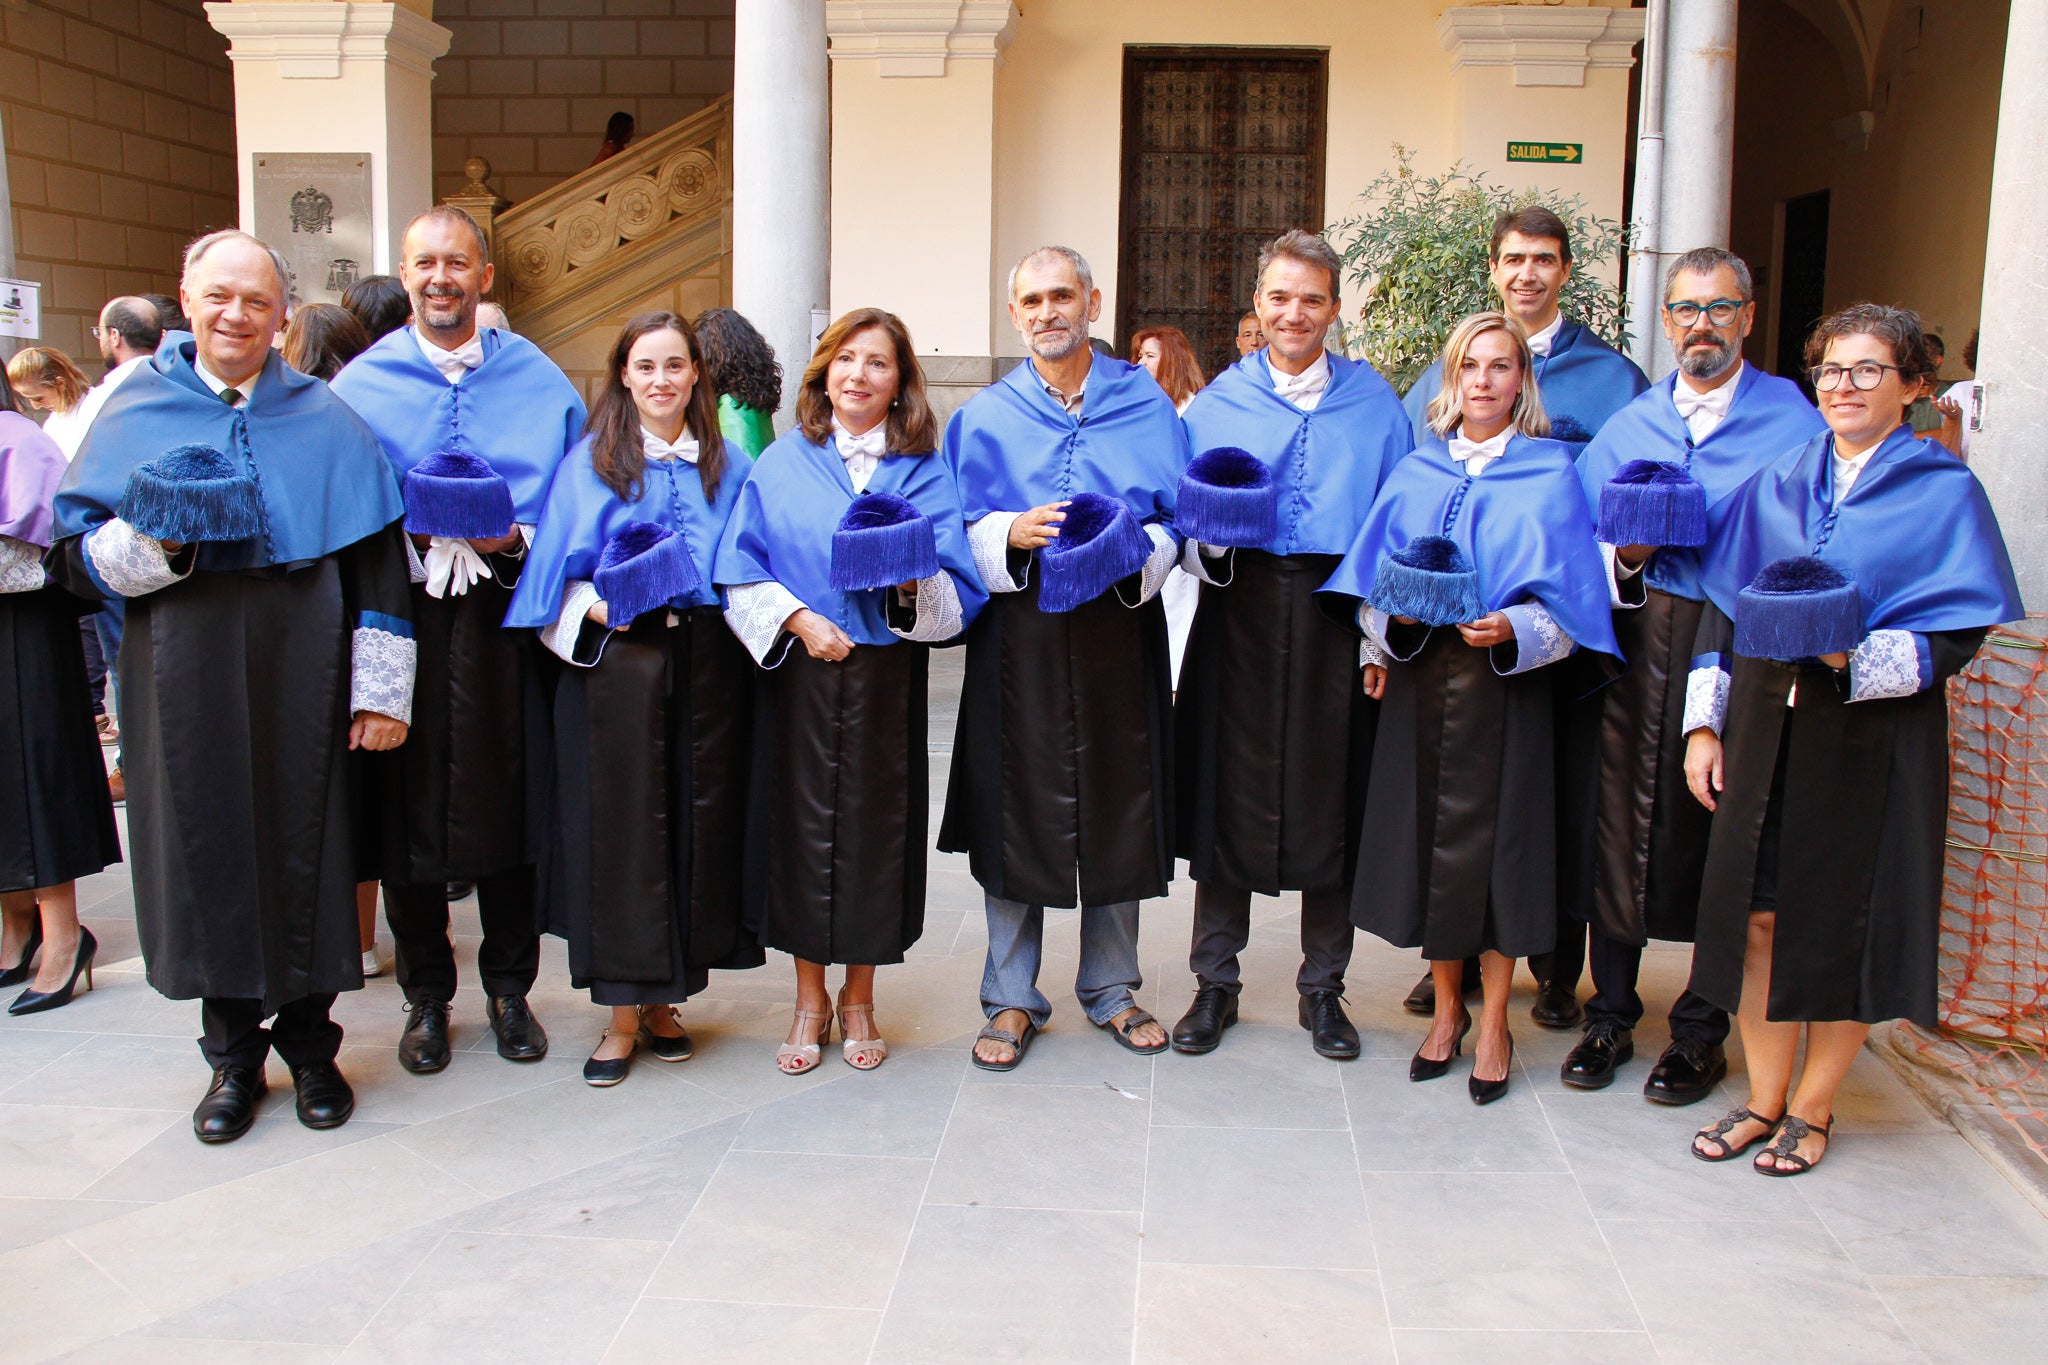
x=1720 y=312
x=1864 y=375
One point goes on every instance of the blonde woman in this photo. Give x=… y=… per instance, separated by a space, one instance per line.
x=46 y=377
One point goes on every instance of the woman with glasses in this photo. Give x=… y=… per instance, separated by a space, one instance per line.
x=1846 y=583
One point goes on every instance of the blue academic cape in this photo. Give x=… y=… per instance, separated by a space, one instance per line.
x=782 y=530
x=322 y=478
x=1916 y=533
x=1012 y=448
x=1767 y=417
x=1328 y=464
x=582 y=513
x=516 y=410
x=1583 y=380
x=1523 y=523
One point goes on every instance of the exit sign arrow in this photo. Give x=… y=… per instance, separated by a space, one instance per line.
x=1546 y=151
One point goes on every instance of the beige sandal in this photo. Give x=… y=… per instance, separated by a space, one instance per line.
x=794 y=1059
x=851 y=1047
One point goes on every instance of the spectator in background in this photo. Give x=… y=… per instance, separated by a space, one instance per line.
x=170 y=313
x=1249 y=337
x=1167 y=356
x=323 y=337
x=618 y=132
x=1959 y=402
x=1924 y=417
x=493 y=315
x=741 y=366
x=379 y=303
x=46 y=377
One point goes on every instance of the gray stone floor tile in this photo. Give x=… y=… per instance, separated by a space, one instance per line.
x=1634 y=1160
x=944 y=1312
x=1494 y=1251
x=1043 y=1147
x=1232 y=1314
x=56 y=1151
x=1970 y=1320
x=118 y=1071
x=644 y=1195
x=666 y=1331
x=158 y=1351
x=1263 y=1076
x=1922 y=1204
x=1533 y=1347
x=24 y=1222
x=1255 y=1197
x=387 y=1093
x=326 y=1303
x=74 y=1302
x=778 y=1227
x=856 y=1113
x=1404 y=1125
x=174 y=1164
x=24 y=1052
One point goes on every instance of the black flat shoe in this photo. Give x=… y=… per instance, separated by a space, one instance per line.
x=520 y=1036
x=1331 y=1032
x=1686 y=1073
x=1429 y=1068
x=456 y=891
x=1556 y=1007
x=603 y=1071
x=423 y=1047
x=230 y=1104
x=1486 y=1092
x=1201 y=1028
x=666 y=1047
x=26 y=968
x=324 y=1097
x=35 y=1002
x=1592 y=1063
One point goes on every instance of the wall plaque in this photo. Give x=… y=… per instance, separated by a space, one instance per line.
x=314 y=207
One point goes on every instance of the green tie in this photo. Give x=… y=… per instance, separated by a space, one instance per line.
x=232 y=397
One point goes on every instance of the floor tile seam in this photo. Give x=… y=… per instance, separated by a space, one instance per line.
x=1144 y=1200
x=1030 y=1208
x=1538 y=1331
x=836 y=1156
x=576 y=1239
x=763 y=1303
x=94 y=1108
x=1263 y=1265
x=1372 y=1236
x=1586 y=1203
x=136 y=1297
x=1246 y=1128
x=916 y=1217
x=466 y=1108
x=396 y=1138
x=370 y=1319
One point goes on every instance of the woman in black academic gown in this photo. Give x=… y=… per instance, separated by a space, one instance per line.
x=1476 y=569
x=56 y=819
x=653 y=721
x=1846 y=583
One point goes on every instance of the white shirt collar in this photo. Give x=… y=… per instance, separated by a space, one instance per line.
x=1848 y=470
x=657 y=449
x=1541 y=342
x=1477 y=455
x=1304 y=389
x=119 y=372
x=1703 y=412
x=453 y=364
x=861 y=453
x=247 y=387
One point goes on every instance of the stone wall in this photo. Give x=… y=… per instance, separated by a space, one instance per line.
x=529 y=84
x=120 y=148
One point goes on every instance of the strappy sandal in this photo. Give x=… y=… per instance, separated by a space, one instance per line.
x=1726 y=1124
x=870 y=1052
x=1134 y=1021
x=1019 y=1044
x=804 y=1056
x=1793 y=1131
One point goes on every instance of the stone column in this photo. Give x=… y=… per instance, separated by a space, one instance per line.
x=1699 y=138
x=8 y=345
x=781 y=154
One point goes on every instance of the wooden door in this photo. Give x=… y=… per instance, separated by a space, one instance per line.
x=1222 y=152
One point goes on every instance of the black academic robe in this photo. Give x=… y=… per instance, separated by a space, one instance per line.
x=1061 y=786
x=652 y=744
x=236 y=706
x=1272 y=729
x=1860 y=793
x=56 y=818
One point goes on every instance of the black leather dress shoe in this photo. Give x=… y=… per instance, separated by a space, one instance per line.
x=1685 y=1073
x=325 y=1100
x=1591 y=1065
x=423 y=1047
x=520 y=1036
x=1330 y=1030
x=1201 y=1028
x=1422 y=1000
x=1555 y=1006
x=230 y=1104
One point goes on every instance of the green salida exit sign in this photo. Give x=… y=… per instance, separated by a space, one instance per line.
x=1546 y=151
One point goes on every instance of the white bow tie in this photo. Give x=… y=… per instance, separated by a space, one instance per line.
x=452 y=364
x=657 y=449
x=1689 y=402
x=1485 y=452
x=871 y=444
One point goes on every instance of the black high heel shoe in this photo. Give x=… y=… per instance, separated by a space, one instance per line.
x=33 y=1001
x=24 y=969
x=1429 y=1068
x=1486 y=1092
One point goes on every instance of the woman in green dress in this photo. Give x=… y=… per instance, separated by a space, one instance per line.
x=741 y=367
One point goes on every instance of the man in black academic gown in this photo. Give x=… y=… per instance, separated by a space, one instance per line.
x=251 y=665
x=453 y=806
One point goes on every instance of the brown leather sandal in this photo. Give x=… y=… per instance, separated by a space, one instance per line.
x=1718 y=1134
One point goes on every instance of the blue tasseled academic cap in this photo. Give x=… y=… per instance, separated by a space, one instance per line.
x=192 y=493
x=643 y=567
x=1653 y=502
x=1431 y=580
x=882 y=540
x=1227 y=497
x=454 y=493
x=1798 y=608
x=1099 y=543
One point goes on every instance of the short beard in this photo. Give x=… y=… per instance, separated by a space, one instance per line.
x=1700 y=363
x=1043 y=344
x=465 y=315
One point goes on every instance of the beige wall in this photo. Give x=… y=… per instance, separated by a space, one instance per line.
x=120 y=148
x=528 y=84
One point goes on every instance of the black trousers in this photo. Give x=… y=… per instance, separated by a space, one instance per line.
x=1223 y=925
x=1563 y=965
x=235 y=1035
x=507 y=962
x=1616 y=968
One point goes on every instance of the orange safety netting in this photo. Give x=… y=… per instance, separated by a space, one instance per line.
x=1994 y=924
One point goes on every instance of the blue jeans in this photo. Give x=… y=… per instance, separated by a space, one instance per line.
x=1016 y=945
x=106 y=625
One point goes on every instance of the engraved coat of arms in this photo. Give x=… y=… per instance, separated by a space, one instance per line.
x=312 y=211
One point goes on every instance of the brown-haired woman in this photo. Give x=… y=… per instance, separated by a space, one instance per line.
x=46 y=377
x=323 y=337
x=1169 y=358
x=653 y=721
x=844 y=732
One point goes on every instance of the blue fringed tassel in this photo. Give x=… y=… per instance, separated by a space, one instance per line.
x=192 y=493
x=881 y=541
x=1099 y=543
x=454 y=493
x=1798 y=608
x=1650 y=502
x=643 y=567
x=1430 y=580
x=1227 y=498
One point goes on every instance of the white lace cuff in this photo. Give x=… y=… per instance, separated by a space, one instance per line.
x=1625 y=586
x=989 y=539
x=755 y=613
x=384 y=665
x=1199 y=560
x=1165 y=554
x=413 y=564
x=938 y=610
x=21 y=566
x=579 y=595
x=1706 y=694
x=128 y=561
x=1539 y=639
x=1376 y=625
x=1890 y=663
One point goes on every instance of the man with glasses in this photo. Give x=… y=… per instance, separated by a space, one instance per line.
x=1645 y=835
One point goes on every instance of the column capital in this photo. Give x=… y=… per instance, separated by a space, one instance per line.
x=917 y=37
x=1545 y=44
x=311 y=41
